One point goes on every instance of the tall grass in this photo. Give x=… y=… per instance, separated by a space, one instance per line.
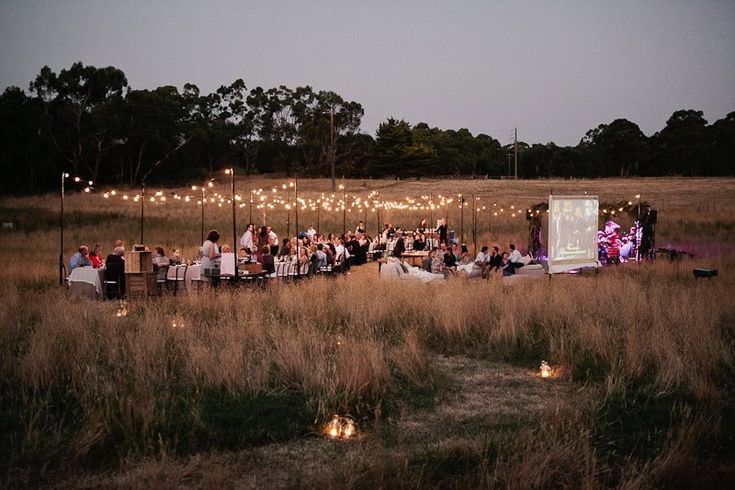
x=654 y=349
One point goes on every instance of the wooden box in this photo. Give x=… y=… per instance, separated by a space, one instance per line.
x=140 y=284
x=251 y=267
x=138 y=262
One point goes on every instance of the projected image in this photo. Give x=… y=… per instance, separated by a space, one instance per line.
x=573 y=230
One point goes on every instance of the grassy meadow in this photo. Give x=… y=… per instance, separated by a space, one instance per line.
x=233 y=389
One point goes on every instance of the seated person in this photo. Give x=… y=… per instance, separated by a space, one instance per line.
x=266 y=258
x=115 y=267
x=419 y=243
x=95 y=256
x=175 y=258
x=243 y=256
x=450 y=260
x=464 y=255
x=507 y=266
x=159 y=259
x=80 y=259
x=437 y=263
x=496 y=260
x=321 y=256
x=515 y=257
x=428 y=260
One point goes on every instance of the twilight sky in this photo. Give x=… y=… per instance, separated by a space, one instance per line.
x=554 y=69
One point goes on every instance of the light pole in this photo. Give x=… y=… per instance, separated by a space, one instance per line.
x=461 y=219
x=231 y=172
x=298 y=255
x=203 y=199
x=64 y=176
x=344 y=209
x=142 y=212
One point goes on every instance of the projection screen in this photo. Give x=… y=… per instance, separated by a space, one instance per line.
x=572 y=232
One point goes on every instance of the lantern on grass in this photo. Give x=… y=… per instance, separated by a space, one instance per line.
x=545 y=369
x=334 y=428
x=122 y=310
x=348 y=429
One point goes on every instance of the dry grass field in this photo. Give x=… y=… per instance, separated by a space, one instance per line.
x=441 y=380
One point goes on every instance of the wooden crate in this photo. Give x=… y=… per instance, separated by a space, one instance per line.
x=140 y=284
x=138 y=262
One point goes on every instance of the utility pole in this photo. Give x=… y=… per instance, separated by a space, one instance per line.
x=332 y=149
x=515 y=149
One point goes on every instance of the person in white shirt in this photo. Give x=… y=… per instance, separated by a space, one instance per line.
x=247 y=239
x=272 y=240
x=515 y=258
x=311 y=232
x=483 y=257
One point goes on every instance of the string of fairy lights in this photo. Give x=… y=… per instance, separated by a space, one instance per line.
x=282 y=197
x=274 y=198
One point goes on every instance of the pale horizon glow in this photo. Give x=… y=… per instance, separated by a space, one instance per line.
x=552 y=69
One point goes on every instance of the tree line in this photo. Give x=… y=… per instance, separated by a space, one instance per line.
x=90 y=122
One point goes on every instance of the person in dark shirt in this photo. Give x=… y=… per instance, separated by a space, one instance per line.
x=442 y=231
x=266 y=259
x=496 y=260
x=450 y=260
x=419 y=243
x=115 y=271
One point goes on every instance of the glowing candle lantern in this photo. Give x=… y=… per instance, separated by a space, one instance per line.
x=348 y=429
x=545 y=369
x=334 y=427
x=122 y=310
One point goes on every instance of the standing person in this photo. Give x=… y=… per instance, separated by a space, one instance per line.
x=261 y=238
x=80 y=259
x=247 y=238
x=95 y=256
x=400 y=247
x=272 y=241
x=442 y=232
x=360 y=228
x=422 y=227
x=311 y=232
x=210 y=254
x=515 y=257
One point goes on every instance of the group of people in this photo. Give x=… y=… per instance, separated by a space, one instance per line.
x=615 y=246
x=312 y=252
x=445 y=260
x=84 y=257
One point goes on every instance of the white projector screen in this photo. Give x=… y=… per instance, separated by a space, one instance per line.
x=572 y=232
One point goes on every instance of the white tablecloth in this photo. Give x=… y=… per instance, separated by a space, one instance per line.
x=88 y=275
x=193 y=273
